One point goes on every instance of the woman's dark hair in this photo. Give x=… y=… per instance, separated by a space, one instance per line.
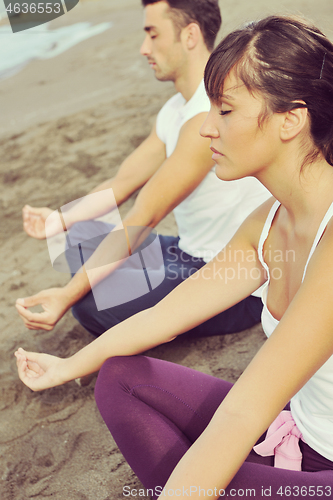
x=286 y=60
x=205 y=13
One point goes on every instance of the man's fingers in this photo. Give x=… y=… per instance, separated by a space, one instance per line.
x=26 y=314
x=34 y=300
x=19 y=309
x=39 y=326
x=30 y=219
x=29 y=223
x=27 y=324
x=34 y=321
x=27 y=209
x=33 y=326
x=36 y=232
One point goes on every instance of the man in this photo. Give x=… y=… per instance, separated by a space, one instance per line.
x=174 y=169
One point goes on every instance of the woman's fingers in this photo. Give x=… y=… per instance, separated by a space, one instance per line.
x=34 y=368
x=38 y=371
x=21 y=362
x=29 y=369
x=32 y=359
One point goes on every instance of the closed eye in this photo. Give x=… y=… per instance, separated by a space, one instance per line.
x=222 y=113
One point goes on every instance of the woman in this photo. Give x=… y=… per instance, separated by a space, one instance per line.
x=271 y=89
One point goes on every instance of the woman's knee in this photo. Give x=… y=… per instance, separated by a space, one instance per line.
x=114 y=380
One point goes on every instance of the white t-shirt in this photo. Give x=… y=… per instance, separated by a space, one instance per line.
x=209 y=217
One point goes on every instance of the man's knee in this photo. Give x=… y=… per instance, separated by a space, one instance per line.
x=78 y=232
x=255 y=307
x=84 y=310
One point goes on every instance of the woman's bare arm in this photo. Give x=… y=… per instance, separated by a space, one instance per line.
x=233 y=275
x=298 y=347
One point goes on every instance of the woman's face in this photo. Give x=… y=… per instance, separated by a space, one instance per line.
x=241 y=148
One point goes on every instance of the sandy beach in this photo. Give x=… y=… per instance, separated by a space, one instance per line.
x=66 y=124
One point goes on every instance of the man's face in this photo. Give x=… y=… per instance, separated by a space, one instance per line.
x=161 y=46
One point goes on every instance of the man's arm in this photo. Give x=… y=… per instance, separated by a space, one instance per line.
x=299 y=346
x=156 y=325
x=133 y=173
x=177 y=177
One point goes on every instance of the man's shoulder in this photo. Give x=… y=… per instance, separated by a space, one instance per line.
x=176 y=112
x=168 y=114
x=199 y=103
x=175 y=102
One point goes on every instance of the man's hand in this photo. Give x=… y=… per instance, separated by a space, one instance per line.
x=34 y=222
x=39 y=371
x=54 y=302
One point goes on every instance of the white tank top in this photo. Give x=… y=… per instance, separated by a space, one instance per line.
x=209 y=217
x=312 y=406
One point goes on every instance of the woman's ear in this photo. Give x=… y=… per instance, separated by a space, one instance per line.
x=294 y=122
x=191 y=35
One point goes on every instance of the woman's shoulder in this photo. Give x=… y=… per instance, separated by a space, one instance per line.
x=320 y=260
x=255 y=222
x=261 y=213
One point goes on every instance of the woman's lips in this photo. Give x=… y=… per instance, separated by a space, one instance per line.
x=216 y=154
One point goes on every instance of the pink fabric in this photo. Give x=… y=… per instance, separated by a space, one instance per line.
x=282 y=441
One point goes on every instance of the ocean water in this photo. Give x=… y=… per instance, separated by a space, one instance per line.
x=18 y=49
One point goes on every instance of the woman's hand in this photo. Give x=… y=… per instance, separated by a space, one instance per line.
x=39 y=371
x=34 y=222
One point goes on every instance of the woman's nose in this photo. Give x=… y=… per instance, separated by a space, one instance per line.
x=208 y=128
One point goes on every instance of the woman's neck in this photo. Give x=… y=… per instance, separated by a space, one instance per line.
x=305 y=193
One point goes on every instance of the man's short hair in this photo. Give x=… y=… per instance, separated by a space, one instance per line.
x=205 y=13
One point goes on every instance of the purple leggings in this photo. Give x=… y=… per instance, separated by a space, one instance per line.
x=155 y=410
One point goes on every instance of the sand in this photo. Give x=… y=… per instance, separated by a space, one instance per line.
x=65 y=125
